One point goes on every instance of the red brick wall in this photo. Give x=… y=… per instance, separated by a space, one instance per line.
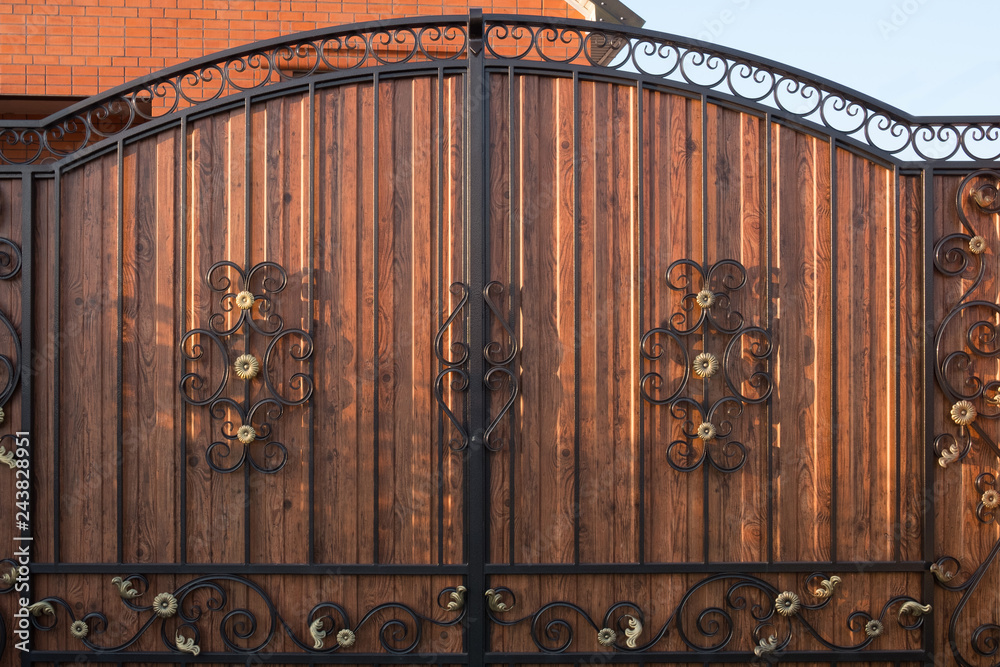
x=82 y=47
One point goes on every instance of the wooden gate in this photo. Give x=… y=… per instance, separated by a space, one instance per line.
x=439 y=342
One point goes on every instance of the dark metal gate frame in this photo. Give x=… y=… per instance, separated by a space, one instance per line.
x=908 y=145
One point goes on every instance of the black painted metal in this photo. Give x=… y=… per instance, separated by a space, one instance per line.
x=552 y=632
x=451 y=45
x=652 y=56
x=961 y=254
x=708 y=291
x=254 y=421
x=477 y=270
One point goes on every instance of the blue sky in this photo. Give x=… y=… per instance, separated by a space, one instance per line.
x=926 y=57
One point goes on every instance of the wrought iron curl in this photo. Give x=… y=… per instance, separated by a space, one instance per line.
x=217 y=76
x=10 y=268
x=708 y=289
x=961 y=255
x=252 y=291
x=241 y=629
x=710 y=628
x=453 y=367
x=501 y=370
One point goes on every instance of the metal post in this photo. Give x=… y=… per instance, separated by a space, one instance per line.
x=476 y=270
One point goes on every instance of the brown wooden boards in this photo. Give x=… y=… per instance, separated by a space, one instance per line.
x=713 y=323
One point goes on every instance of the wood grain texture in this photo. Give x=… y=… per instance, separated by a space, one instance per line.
x=594 y=189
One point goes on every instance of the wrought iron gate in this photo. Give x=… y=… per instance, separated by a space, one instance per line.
x=457 y=342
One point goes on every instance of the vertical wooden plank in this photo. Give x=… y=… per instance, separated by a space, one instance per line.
x=911 y=355
x=501 y=492
x=545 y=475
x=802 y=317
x=44 y=353
x=865 y=374
x=215 y=233
x=736 y=230
x=150 y=364
x=88 y=314
x=343 y=416
x=453 y=242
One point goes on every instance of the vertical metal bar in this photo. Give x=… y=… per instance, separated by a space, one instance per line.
x=929 y=363
x=834 y=357
x=442 y=309
x=57 y=344
x=514 y=296
x=119 y=415
x=26 y=538
x=576 y=317
x=483 y=221
x=705 y=510
x=312 y=317
x=182 y=277
x=476 y=262
x=375 y=285
x=768 y=296
x=247 y=184
x=639 y=255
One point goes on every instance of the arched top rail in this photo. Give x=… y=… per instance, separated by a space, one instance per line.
x=630 y=52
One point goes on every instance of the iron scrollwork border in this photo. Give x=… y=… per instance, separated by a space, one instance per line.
x=400 y=634
x=778 y=88
x=961 y=255
x=714 y=318
x=552 y=633
x=257 y=414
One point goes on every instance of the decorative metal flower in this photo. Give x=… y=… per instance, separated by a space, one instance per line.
x=977 y=245
x=606 y=637
x=705 y=365
x=787 y=604
x=246 y=434
x=79 y=629
x=165 y=605
x=345 y=638
x=706 y=431
x=874 y=628
x=244 y=300
x=247 y=367
x=963 y=413
x=991 y=499
x=705 y=298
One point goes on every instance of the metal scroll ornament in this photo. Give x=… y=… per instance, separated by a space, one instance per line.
x=500 y=377
x=706 y=320
x=10 y=267
x=245 y=628
x=984 y=640
x=453 y=370
x=774 y=614
x=972 y=398
x=259 y=367
x=966 y=345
